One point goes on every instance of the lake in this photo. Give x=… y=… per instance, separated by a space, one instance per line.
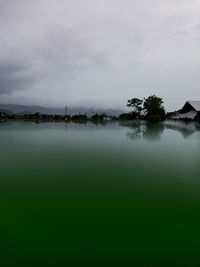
x=111 y=194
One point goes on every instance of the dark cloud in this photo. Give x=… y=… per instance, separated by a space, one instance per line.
x=14 y=76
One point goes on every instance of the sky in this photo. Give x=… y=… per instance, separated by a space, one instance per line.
x=99 y=53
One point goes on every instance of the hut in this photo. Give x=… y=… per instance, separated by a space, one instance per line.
x=189 y=111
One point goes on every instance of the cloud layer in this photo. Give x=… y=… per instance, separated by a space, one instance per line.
x=99 y=52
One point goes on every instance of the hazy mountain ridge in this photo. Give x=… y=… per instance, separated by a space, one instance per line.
x=25 y=109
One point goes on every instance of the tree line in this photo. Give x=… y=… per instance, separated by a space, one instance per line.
x=150 y=108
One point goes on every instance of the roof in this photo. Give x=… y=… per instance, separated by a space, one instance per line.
x=188 y=115
x=195 y=104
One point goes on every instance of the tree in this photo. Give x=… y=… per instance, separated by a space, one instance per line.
x=136 y=104
x=153 y=106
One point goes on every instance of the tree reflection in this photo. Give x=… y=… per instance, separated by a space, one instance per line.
x=150 y=131
x=153 y=131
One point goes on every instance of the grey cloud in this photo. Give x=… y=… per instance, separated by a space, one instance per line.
x=56 y=54
x=98 y=51
x=14 y=76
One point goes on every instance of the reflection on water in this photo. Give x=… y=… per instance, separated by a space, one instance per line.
x=147 y=130
x=186 y=129
x=152 y=131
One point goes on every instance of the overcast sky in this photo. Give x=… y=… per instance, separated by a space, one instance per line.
x=99 y=52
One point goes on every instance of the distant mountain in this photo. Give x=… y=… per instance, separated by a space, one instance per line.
x=6 y=111
x=24 y=109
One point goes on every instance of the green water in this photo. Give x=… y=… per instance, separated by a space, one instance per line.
x=119 y=194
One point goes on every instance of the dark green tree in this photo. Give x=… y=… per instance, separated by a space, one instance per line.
x=136 y=104
x=153 y=106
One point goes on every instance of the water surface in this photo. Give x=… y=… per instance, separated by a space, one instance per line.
x=115 y=194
